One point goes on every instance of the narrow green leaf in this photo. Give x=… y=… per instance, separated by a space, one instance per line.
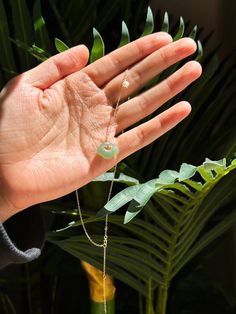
x=149 y=24
x=60 y=45
x=98 y=49
x=34 y=51
x=208 y=238
x=193 y=33
x=199 y=51
x=23 y=30
x=165 y=26
x=181 y=29
x=6 y=54
x=196 y=185
x=40 y=30
x=115 y=271
x=125 y=38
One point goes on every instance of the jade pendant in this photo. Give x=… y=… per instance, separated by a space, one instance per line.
x=107 y=150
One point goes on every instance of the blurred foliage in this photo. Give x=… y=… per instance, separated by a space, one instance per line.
x=31 y=31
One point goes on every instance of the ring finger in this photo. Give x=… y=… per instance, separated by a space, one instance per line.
x=148 y=68
x=146 y=103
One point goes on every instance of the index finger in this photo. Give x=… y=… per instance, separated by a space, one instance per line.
x=106 y=68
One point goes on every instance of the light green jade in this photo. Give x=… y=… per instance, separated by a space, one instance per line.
x=107 y=150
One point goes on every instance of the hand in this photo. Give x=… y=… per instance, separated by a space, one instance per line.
x=54 y=116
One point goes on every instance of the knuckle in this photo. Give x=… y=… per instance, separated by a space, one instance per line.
x=142 y=102
x=140 y=136
x=164 y=57
x=58 y=66
x=116 y=63
x=137 y=78
x=170 y=85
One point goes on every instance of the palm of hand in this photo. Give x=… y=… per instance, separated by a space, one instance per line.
x=54 y=116
x=56 y=134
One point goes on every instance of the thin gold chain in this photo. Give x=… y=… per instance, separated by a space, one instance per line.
x=125 y=84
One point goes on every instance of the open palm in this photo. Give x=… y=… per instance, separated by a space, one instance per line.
x=54 y=116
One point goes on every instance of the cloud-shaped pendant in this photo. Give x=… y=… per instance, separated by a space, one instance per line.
x=107 y=150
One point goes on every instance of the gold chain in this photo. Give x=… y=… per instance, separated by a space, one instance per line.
x=125 y=84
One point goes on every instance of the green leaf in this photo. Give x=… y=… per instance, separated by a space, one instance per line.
x=172 y=232
x=109 y=176
x=199 y=51
x=37 y=52
x=181 y=29
x=60 y=45
x=167 y=177
x=149 y=24
x=165 y=25
x=118 y=201
x=125 y=38
x=210 y=236
x=210 y=165
x=193 y=33
x=98 y=48
x=40 y=30
x=23 y=30
x=6 y=54
x=140 y=199
x=186 y=171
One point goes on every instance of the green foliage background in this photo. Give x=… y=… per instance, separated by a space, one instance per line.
x=27 y=33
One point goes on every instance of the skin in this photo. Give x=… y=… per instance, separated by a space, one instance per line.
x=54 y=116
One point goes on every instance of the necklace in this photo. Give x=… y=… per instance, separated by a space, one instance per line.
x=106 y=150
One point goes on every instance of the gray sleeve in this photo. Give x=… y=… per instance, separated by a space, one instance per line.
x=22 y=237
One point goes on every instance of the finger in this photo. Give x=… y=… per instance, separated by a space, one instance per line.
x=149 y=67
x=138 y=137
x=139 y=107
x=58 y=67
x=104 y=69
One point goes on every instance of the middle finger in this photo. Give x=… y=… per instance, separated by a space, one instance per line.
x=148 y=68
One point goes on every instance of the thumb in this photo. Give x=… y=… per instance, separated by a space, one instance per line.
x=58 y=67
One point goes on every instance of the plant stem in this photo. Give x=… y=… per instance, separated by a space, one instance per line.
x=162 y=300
x=149 y=306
